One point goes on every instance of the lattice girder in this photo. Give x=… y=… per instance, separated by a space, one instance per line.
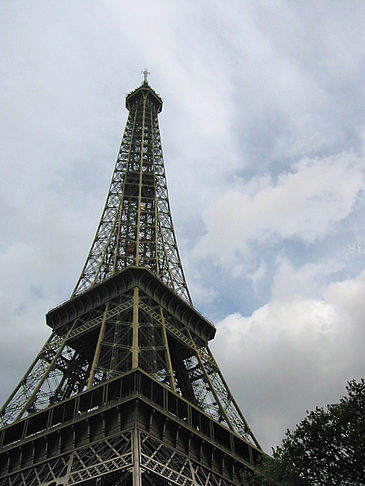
x=132 y=425
x=136 y=225
x=130 y=329
x=135 y=327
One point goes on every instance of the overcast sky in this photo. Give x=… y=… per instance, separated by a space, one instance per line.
x=263 y=130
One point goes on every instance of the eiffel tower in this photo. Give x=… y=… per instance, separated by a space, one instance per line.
x=126 y=391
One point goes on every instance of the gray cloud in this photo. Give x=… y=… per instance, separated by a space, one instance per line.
x=294 y=353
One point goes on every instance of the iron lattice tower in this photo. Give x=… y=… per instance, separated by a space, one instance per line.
x=126 y=391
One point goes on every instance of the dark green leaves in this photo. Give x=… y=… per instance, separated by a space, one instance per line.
x=326 y=448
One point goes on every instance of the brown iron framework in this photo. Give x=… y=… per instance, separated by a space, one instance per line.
x=136 y=226
x=126 y=389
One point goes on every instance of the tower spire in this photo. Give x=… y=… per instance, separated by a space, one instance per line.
x=145 y=75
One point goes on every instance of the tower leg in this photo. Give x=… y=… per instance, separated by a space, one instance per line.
x=136 y=448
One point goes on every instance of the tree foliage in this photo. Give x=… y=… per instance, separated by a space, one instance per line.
x=326 y=448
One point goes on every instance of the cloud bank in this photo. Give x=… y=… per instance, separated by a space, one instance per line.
x=294 y=353
x=303 y=203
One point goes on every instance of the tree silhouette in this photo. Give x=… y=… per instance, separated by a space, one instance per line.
x=326 y=448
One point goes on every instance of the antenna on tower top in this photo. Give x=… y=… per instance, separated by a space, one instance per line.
x=145 y=74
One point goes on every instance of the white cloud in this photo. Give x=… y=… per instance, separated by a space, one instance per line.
x=293 y=354
x=257 y=276
x=306 y=281
x=303 y=203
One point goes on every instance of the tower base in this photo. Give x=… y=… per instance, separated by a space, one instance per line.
x=128 y=431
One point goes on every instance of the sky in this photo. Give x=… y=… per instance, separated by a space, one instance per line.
x=263 y=131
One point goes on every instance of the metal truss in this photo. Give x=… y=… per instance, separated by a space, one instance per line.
x=175 y=467
x=53 y=365
x=206 y=385
x=132 y=330
x=216 y=397
x=60 y=371
x=94 y=461
x=133 y=455
x=136 y=225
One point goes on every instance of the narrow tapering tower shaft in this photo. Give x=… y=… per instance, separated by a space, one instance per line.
x=136 y=226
